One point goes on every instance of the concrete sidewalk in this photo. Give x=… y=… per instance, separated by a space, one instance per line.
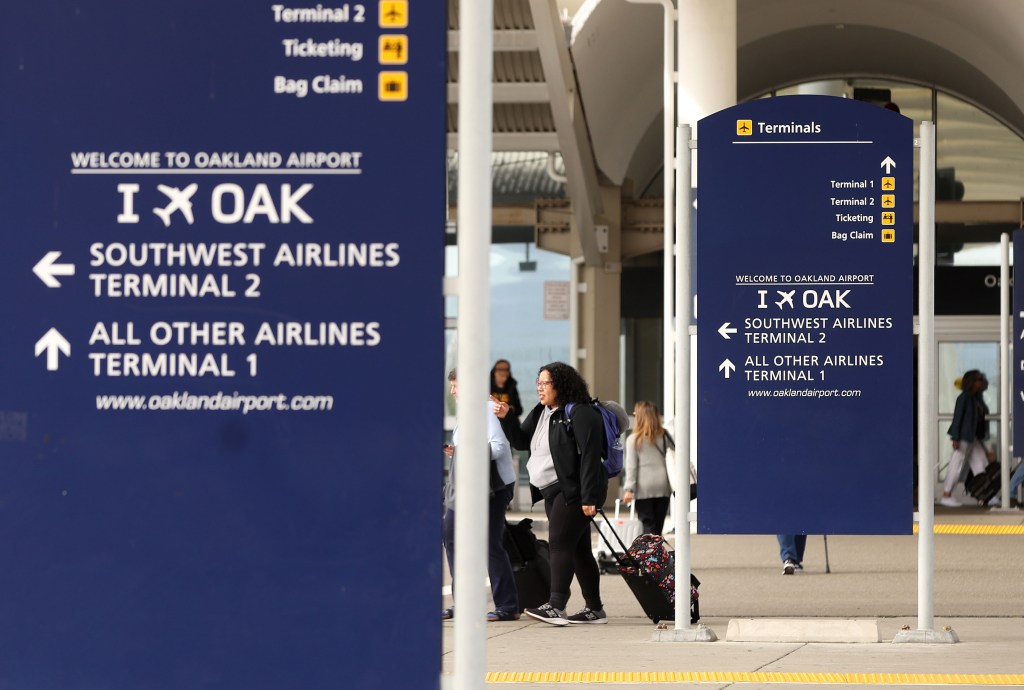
x=979 y=594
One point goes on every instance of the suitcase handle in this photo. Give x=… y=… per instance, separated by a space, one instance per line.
x=626 y=558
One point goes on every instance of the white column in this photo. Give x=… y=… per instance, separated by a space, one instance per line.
x=474 y=240
x=1005 y=382
x=668 y=79
x=927 y=407
x=707 y=60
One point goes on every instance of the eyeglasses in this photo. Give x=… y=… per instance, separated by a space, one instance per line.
x=544 y=384
x=502 y=369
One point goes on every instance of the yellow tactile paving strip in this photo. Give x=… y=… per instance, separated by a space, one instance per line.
x=977 y=529
x=900 y=679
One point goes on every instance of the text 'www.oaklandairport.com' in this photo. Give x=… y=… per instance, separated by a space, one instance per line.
x=217 y=402
x=805 y=393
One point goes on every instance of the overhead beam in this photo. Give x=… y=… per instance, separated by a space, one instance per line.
x=515 y=141
x=567 y=112
x=510 y=41
x=509 y=92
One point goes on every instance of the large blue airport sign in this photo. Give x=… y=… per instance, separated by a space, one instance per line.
x=223 y=227
x=805 y=337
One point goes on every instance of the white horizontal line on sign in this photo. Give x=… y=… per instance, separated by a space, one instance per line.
x=209 y=171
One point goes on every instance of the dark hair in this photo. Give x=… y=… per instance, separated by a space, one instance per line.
x=451 y=375
x=511 y=382
x=570 y=386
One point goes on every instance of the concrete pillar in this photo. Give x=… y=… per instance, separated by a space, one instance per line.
x=707 y=58
x=600 y=306
x=600 y=309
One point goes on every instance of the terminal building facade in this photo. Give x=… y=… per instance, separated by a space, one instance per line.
x=578 y=254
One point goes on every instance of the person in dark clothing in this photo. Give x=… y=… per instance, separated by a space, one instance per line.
x=567 y=474
x=504 y=387
x=499 y=568
x=968 y=432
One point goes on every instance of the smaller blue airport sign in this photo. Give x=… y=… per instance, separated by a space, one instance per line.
x=805 y=318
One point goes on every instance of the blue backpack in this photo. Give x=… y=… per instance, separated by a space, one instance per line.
x=611 y=456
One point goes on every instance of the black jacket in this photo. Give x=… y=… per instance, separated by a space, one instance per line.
x=576 y=451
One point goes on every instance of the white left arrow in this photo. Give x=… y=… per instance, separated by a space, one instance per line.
x=46 y=269
x=728 y=366
x=888 y=164
x=724 y=331
x=53 y=343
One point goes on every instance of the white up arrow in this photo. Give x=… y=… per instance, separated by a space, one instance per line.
x=46 y=269
x=888 y=164
x=724 y=331
x=53 y=343
x=728 y=366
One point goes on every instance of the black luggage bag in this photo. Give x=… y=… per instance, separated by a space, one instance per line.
x=649 y=571
x=531 y=565
x=985 y=485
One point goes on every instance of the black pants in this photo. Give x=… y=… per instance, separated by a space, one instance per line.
x=571 y=554
x=652 y=512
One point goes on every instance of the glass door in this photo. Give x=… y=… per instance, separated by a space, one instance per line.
x=965 y=343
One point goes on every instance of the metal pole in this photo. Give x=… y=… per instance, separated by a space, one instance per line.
x=927 y=408
x=474 y=243
x=1005 y=399
x=681 y=509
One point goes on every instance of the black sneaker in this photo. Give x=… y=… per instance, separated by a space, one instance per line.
x=548 y=614
x=788 y=568
x=589 y=615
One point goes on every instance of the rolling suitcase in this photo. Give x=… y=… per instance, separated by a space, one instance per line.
x=649 y=570
x=531 y=565
x=629 y=529
x=985 y=485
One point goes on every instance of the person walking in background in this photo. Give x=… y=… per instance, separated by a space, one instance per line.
x=499 y=567
x=791 y=550
x=646 y=479
x=504 y=386
x=567 y=474
x=968 y=432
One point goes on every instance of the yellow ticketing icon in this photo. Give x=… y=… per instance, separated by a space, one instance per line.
x=888 y=235
x=393 y=86
x=393 y=49
x=744 y=128
x=888 y=218
x=394 y=14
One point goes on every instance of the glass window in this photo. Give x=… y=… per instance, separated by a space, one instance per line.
x=519 y=332
x=957 y=357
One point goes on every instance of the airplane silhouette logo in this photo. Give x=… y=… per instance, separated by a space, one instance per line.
x=394 y=14
x=744 y=128
x=787 y=298
x=180 y=200
x=888 y=183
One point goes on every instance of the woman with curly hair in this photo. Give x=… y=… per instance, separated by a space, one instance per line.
x=567 y=474
x=646 y=474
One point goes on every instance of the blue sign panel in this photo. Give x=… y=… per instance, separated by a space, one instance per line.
x=224 y=242
x=805 y=338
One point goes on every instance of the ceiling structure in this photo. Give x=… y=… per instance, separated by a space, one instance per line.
x=583 y=77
